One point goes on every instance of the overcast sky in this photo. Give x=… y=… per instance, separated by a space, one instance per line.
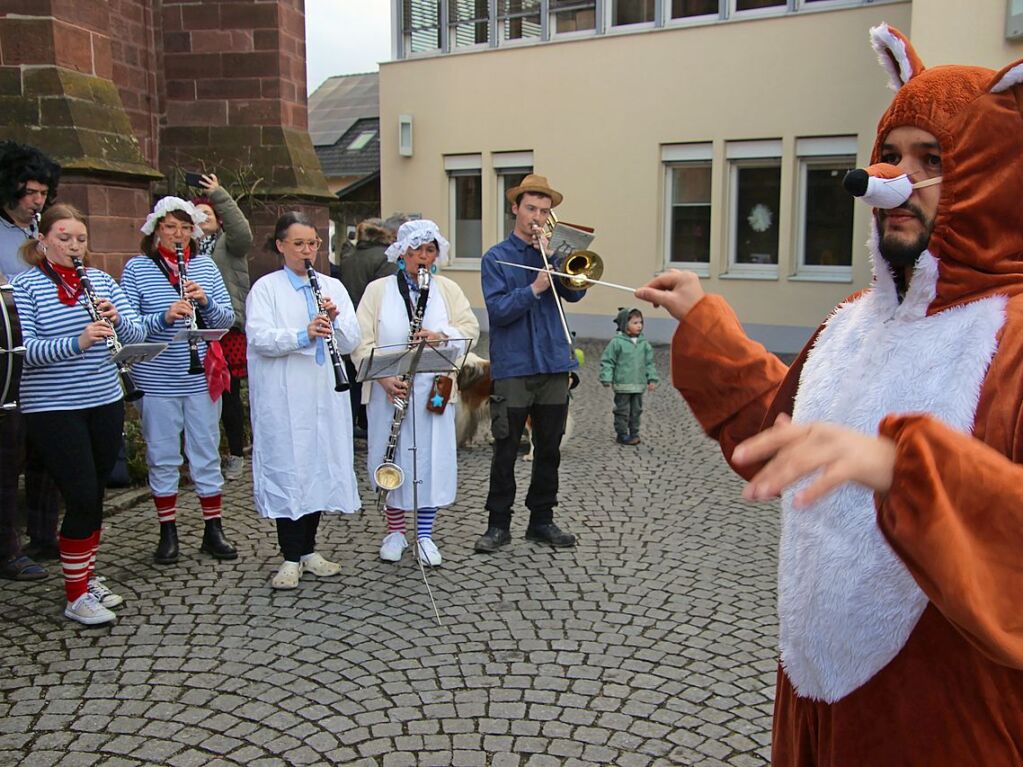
x=344 y=37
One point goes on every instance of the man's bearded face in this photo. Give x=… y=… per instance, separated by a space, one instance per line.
x=906 y=230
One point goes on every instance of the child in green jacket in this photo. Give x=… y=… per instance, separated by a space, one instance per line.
x=627 y=364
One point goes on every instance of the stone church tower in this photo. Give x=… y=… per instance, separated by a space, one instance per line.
x=129 y=94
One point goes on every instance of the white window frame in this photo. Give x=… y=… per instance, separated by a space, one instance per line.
x=453 y=24
x=552 y=22
x=734 y=13
x=803 y=5
x=504 y=163
x=501 y=41
x=750 y=154
x=815 y=152
x=676 y=156
x=683 y=20
x=611 y=28
x=456 y=165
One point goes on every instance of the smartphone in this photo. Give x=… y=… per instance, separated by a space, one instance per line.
x=193 y=179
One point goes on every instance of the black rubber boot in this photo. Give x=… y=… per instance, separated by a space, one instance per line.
x=167 y=548
x=214 y=542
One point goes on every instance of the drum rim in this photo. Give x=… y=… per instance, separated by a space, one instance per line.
x=12 y=329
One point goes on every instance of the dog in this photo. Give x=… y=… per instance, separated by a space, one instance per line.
x=474 y=405
x=473 y=399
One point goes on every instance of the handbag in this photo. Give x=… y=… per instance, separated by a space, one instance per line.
x=440 y=394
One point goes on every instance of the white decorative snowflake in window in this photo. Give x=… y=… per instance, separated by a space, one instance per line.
x=759 y=218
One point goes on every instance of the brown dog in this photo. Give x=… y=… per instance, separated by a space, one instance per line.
x=474 y=405
x=473 y=399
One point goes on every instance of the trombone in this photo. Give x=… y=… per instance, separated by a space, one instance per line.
x=578 y=270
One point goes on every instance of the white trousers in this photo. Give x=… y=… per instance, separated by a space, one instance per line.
x=163 y=421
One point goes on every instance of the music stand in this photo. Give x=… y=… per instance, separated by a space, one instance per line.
x=202 y=334
x=132 y=354
x=390 y=360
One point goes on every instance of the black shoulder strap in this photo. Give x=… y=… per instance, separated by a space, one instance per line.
x=405 y=293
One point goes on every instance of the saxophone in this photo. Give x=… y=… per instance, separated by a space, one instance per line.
x=388 y=475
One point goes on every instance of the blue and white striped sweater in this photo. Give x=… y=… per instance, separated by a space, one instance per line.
x=57 y=375
x=151 y=294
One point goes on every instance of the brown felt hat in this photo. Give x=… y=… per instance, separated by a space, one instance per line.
x=536 y=185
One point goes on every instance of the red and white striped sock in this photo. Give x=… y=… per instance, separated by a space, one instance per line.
x=75 y=554
x=166 y=507
x=94 y=547
x=210 y=507
x=395 y=520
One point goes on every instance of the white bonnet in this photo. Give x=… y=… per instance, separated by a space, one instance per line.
x=165 y=206
x=413 y=234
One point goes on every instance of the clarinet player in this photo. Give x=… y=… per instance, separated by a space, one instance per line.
x=70 y=393
x=298 y=323
x=179 y=402
x=390 y=310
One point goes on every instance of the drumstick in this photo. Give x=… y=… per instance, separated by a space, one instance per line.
x=569 y=276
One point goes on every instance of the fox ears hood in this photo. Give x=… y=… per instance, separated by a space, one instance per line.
x=977 y=116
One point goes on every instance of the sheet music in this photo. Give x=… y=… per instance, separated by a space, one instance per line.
x=135 y=353
x=203 y=334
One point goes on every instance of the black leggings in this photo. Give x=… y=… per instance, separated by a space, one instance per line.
x=297 y=537
x=232 y=416
x=79 y=449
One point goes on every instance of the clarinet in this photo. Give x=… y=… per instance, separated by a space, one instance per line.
x=340 y=380
x=194 y=363
x=389 y=475
x=131 y=391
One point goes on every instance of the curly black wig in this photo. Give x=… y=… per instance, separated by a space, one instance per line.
x=20 y=163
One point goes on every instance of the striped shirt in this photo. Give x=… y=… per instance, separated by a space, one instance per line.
x=57 y=374
x=151 y=294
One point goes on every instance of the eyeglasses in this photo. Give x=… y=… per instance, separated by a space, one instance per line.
x=176 y=228
x=305 y=244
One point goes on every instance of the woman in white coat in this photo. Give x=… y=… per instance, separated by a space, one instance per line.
x=302 y=461
x=385 y=315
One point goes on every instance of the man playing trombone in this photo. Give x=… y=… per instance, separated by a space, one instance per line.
x=530 y=358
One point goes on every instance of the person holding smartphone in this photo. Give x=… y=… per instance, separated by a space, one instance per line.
x=226 y=238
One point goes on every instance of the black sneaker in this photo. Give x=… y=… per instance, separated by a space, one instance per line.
x=493 y=539
x=552 y=534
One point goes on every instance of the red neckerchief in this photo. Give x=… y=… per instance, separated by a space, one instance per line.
x=69 y=286
x=170 y=258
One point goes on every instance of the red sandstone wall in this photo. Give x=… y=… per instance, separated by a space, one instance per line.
x=234 y=62
x=135 y=50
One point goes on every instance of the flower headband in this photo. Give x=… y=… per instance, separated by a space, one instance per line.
x=414 y=234
x=165 y=206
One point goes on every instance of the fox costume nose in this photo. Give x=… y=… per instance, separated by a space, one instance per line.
x=879 y=186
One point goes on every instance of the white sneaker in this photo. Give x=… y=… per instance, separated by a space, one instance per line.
x=287 y=577
x=87 y=610
x=103 y=595
x=429 y=554
x=317 y=565
x=234 y=467
x=393 y=547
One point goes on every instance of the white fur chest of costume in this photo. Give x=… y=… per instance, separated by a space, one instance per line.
x=846 y=602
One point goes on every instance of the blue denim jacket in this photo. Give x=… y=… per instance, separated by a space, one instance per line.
x=526 y=337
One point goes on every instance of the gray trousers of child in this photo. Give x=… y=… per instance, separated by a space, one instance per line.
x=628 y=410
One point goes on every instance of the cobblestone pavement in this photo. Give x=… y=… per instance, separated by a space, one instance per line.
x=651 y=643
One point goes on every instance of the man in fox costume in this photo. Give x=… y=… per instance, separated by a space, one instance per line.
x=894 y=441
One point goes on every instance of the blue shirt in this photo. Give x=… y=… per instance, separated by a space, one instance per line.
x=58 y=374
x=526 y=337
x=12 y=237
x=150 y=294
x=302 y=284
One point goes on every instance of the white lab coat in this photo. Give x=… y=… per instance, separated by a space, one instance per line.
x=302 y=455
x=383 y=320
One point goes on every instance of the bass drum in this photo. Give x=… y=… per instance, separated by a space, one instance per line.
x=11 y=350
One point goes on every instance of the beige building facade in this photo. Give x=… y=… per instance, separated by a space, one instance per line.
x=711 y=136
